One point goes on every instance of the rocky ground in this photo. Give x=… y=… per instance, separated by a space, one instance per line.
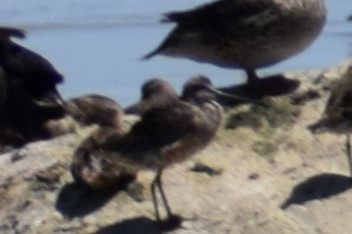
x=265 y=173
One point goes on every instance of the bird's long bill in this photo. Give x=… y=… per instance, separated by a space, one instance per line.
x=53 y=99
x=235 y=97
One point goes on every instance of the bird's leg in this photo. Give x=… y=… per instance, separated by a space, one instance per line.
x=157 y=182
x=163 y=196
x=155 y=200
x=252 y=77
x=348 y=150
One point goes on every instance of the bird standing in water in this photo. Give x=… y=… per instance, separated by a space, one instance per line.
x=244 y=34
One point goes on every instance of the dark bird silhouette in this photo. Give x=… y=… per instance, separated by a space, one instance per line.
x=244 y=34
x=337 y=116
x=154 y=92
x=36 y=73
x=30 y=85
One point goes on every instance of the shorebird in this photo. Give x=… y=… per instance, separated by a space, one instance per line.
x=337 y=116
x=86 y=110
x=90 y=165
x=95 y=109
x=154 y=92
x=243 y=34
x=168 y=134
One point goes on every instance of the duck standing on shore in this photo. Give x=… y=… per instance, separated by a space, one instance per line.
x=244 y=34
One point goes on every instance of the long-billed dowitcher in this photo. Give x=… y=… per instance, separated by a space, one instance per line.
x=154 y=92
x=95 y=109
x=337 y=116
x=171 y=133
x=90 y=165
x=244 y=34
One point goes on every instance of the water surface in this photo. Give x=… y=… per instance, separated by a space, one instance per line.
x=97 y=44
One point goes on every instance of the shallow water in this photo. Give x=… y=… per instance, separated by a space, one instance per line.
x=97 y=44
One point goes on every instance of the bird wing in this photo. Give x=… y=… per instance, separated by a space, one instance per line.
x=161 y=127
x=223 y=17
x=222 y=11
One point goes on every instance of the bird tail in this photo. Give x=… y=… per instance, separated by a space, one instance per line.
x=151 y=54
x=169 y=17
x=163 y=45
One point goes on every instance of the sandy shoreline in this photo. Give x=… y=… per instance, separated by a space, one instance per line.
x=263 y=162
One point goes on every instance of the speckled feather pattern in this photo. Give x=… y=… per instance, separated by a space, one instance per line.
x=244 y=34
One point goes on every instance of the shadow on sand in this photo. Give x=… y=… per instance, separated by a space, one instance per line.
x=143 y=225
x=132 y=226
x=77 y=200
x=270 y=86
x=318 y=187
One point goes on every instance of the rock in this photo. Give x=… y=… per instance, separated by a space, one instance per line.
x=267 y=159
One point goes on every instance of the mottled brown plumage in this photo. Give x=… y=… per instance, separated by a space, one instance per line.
x=154 y=92
x=166 y=134
x=95 y=109
x=90 y=165
x=244 y=34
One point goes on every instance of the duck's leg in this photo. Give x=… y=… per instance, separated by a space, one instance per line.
x=348 y=151
x=252 y=77
x=158 y=183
